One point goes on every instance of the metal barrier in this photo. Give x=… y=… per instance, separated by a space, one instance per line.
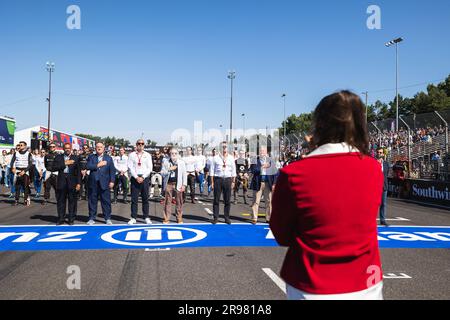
x=422 y=141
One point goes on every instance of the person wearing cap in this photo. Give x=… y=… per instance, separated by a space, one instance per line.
x=51 y=173
x=83 y=158
x=21 y=164
x=156 y=178
x=140 y=165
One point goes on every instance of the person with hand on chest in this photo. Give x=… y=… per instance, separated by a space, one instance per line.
x=68 y=184
x=223 y=174
x=175 y=169
x=190 y=162
x=141 y=166
x=101 y=181
x=121 y=164
x=21 y=165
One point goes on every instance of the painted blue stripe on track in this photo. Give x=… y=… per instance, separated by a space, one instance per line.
x=82 y=237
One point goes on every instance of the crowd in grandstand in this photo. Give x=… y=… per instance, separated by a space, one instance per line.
x=396 y=139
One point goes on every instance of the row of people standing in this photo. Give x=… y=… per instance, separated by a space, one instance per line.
x=141 y=172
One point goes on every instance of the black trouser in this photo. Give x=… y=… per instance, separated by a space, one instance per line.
x=51 y=182
x=64 y=195
x=191 y=183
x=222 y=186
x=123 y=180
x=241 y=180
x=142 y=190
x=84 y=186
x=22 y=182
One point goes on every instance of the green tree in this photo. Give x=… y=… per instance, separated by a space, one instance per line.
x=295 y=124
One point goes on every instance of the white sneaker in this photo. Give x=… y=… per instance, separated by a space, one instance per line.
x=148 y=221
x=132 y=221
x=90 y=222
x=109 y=222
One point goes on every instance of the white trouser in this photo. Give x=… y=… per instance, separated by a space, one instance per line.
x=373 y=293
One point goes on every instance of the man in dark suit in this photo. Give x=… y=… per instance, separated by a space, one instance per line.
x=385 y=167
x=68 y=183
x=101 y=181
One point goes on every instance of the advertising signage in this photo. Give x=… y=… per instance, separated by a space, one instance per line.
x=7 y=130
x=60 y=138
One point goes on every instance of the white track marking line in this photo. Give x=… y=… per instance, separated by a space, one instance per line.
x=396 y=219
x=396 y=276
x=209 y=211
x=275 y=278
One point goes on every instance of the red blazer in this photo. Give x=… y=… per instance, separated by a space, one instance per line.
x=324 y=209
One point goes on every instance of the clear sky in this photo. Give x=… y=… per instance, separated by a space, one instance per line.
x=156 y=65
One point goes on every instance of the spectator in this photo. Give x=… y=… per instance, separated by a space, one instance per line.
x=325 y=209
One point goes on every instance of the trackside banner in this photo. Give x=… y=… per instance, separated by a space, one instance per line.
x=435 y=192
x=35 y=238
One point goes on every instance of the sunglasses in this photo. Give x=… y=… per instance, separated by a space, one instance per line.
x=140 y=144
x=52 y=147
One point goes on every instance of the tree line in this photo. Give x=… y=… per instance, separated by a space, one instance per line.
x=113 y=141
x=436 y=98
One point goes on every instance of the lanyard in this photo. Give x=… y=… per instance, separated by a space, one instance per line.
x=224 y=162
x=139 y=158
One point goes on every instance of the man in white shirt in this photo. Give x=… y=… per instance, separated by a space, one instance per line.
x=190 y=161
x=121 y=165
x=207 y=169
x=199 y=168
x=175 y=169
x=223 y=173
x=140 y=166
x=39 y=172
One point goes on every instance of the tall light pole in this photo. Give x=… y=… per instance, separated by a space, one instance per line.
x=389 y=44
x=50 y=66
x=243 y=123
x=366 y=93
x=284 y=116
x=231 y=76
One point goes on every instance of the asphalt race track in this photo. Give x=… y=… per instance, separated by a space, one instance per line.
x=220 y=262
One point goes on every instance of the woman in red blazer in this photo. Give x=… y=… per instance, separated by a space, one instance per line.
x=325 y=208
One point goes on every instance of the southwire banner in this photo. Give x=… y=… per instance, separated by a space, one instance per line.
x=7 y=129
x=437 y=192
x=82 y=237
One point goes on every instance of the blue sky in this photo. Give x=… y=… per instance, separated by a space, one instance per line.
x=154 y=66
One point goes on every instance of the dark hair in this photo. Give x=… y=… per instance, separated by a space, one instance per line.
x=380 y=148
x=23 y=142
x=340 y=117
